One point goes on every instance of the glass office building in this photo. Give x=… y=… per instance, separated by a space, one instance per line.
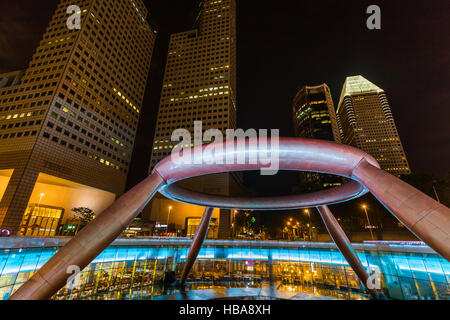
x=68 y=122
x=134 y=269
x=314 y=117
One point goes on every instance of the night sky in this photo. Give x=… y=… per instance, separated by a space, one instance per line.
x=283 y=45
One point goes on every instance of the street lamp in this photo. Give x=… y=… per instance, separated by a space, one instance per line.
x=288 y=227
x=38 y=205
x=364 y=206
x=297 y=228
x=435 y=192
x=309 y=224
x=39 y=202
x=168 y=215
x=40 y=198
x=234 y=223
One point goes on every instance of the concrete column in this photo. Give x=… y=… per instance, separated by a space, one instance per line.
x=343 y=243
x=89 y=242
x=224 y=224
x=196 y=245
x=16 y=197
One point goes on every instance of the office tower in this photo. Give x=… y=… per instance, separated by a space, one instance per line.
x=366 y=122
x=200 y=85
x=314 y=117
x=67 y=129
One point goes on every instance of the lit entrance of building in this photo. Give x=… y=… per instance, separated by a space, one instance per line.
x=41 y=221
x=49 y=210
x=192 y=224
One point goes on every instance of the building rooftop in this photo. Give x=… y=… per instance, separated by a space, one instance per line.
x=357 y=85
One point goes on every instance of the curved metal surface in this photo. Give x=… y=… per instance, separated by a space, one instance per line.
x=89 y=242
x=344 y=245
x=196 y=245
x=346 y=192
x=428 y=219
x=297 y=154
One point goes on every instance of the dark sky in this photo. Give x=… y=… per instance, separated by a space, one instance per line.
x=286 y=44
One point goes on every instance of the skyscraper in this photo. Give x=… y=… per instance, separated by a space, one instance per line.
x=200 y=85
x=366 y=122
x=314 y=117
x=67 y=129
x=314 y=114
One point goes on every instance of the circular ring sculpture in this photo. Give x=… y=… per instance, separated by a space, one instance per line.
x=346 y=192
x=428 y=219
x=314 y=156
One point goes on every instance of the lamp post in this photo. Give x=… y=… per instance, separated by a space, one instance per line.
x=435 y=192
x=233 y=225
x=38 y=205
x=309 y=224
x=168 y=216
x=40 y=199
x=297 y=227
x=288 y=224
x=364 y=206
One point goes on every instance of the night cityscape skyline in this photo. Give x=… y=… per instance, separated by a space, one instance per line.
x=329 y=59
x=347 y=197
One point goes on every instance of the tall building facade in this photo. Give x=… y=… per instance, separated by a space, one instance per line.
x=314 y=114
x=200 y=85
x=314 y=117
x=67 y=129
x=366 y=122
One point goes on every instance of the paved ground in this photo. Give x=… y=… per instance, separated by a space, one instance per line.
x=242 y=294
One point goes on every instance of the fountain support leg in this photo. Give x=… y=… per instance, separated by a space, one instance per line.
x=344 y=245
x=87 y=244
x=196 y=245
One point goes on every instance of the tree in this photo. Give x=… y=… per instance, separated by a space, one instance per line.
x=239 y=221
x=83 y=216
x=246 y=221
